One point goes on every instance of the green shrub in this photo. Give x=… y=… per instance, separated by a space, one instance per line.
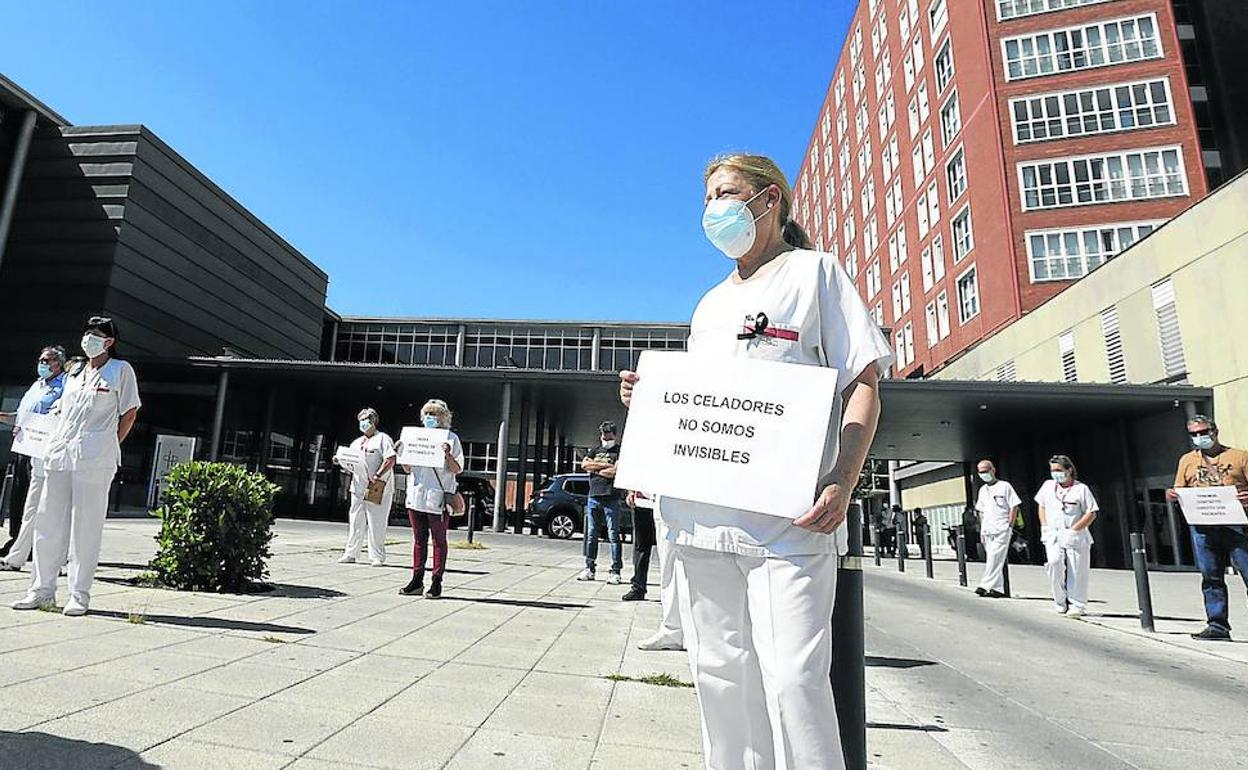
x=216 y=524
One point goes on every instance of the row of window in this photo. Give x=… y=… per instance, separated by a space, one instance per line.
x=1103 y=178
x=1087 y=111
x=1087 y=46
x=1013 y=9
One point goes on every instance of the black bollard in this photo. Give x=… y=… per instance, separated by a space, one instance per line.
x=1139 y=563
x=901 y=550
x=472 y=517
x=1005 y=575
x=961 y=548
x=879 y=545
x=927 y=550
x=849 y=682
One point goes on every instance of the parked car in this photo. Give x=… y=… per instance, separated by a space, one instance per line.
x=477 y=490
x=558 y=507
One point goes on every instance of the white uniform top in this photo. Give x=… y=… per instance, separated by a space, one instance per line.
x=1063 y=506
x=85 y=438
x=994 y=503
x=425 y=486
x=376 y=450
x=814 y=317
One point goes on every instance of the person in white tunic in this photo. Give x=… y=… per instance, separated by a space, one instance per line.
x=997 y=505
x=365 y=520
x=758 y=609
x=670 y=636
x=1067 y=508
x=94 y=416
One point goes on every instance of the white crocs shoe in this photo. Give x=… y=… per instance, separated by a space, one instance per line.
x=345 y=559
x=32 y=601
x=75 y=607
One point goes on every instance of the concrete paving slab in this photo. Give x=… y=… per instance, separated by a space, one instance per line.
x=187 y=754
x=395 y=744
x=276 y=727
x=503 y=750
x=615 y=757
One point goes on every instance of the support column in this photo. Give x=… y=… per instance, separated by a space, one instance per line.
x=266 y=440
x=14 y=180
x=460 y=337
x=500 y=473
x=333 y=343
x=523 y=468
x=218 y=416
x=595 y=352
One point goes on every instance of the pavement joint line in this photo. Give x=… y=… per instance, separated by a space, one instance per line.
x=1008 y=699
x=606 y=715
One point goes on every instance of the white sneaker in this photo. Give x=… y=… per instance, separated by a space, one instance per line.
x=659 y=641
x=613 y=578
x=75 y=608
x=33 y=601
x=1061 y=610
x=377 y=563
x=7 y=566
x=345 y=559
x=1075 y=612
x=586 y=574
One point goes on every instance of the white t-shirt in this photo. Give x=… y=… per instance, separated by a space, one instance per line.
x=88 y=415
x=1063 y=506
x=426 y=485
x=994 y=504
x=816 y=318
x=376 y=450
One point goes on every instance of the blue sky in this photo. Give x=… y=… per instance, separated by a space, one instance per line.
x=490 y=159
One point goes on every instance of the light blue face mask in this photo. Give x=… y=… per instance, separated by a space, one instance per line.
x=729 y=224
x=365 y=425
x=1203 y=442
x=1059 y=476
x=45 y=371
x=430 y=421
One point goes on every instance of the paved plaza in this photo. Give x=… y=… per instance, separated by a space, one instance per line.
x=520 y=666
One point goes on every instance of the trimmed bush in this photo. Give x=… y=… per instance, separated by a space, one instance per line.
x=216 y=524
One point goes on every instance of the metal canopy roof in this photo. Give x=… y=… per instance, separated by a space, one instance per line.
x=921 y=419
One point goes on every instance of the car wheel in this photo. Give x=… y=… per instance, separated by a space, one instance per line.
x=561 y=526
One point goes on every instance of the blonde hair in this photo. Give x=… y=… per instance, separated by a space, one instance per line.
x=762 y=172
x=438 y=408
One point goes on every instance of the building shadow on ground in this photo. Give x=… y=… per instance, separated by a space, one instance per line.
x=1136 y=616
x=879 y=661
x=43 y=751
x=539 y=605
x=204 y=621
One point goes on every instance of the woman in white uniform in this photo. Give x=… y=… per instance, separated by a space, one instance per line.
x=1067 y=508
x=40 y=398
x=427 y=500
x=95 y=415
x=367 y=519
x=758 y=609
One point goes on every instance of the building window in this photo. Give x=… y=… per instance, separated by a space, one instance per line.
x=916 y=165
x=912 y=117
x=917 y=53
x=929 y=153
x=925 y=224
x=963 y=237
x=907 y=69
x=925 y=105
x=1013 y=9
x=1135 y=175
x=944 y=65
x=942 y=314
x=871 y=236
x=925 y=262
x=950 y=120
x=1168 y=333
x=849 y=230
x=930 y=315
x=868 y=194
x=933 y=203
x=1064 y=255
x=903 y=22
x=938 y=257
x=1113 y=346
x=1007 y=372
x=1092 y=111
x=1066 y=347
x=907 y=334
x=851 y=264
x=877 y=313
x=1083 y=47
x=873 y=278
x=938 y=13
x=955 y=175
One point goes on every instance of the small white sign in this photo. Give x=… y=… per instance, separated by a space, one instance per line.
x=736 y=432
x=351 y=460
x=1204 y=506
x=423 y=447
x=170 y=451
x=30 y=437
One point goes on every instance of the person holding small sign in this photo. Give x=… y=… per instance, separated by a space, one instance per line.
x=429 y=493
x=1067 y=508
x=27 y=470
x=367 y=519
x=1210 y=464
x=757 y=612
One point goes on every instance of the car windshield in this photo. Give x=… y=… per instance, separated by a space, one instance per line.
x=576 y=486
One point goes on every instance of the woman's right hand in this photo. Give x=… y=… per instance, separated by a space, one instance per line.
x=627 y=380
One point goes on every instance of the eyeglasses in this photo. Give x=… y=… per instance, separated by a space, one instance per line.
x=1205 y=432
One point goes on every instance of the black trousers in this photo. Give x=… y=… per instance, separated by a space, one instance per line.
x=643 y=542
x=17 y=500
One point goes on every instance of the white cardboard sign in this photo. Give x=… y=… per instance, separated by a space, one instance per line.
x=350 y=459
x=32 y=434
x=736 y=432
x=423 y=447
x=1205 y=506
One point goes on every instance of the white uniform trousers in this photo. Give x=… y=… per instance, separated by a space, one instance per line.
x=73 y=508
x=1068 y=568
x=19 y=552
x=759 y=635
x=368 y=520
x=671 y=586
x=996 y=550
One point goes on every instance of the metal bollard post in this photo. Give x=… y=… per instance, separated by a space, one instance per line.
x=849 y=683
x=1005 y=575
x=1139 y=563
x=961 y=548
x=901 y=549
x=879 y=545
x=472 y=517
x=927 y=551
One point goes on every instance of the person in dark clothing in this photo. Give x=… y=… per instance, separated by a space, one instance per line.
x=603 y=505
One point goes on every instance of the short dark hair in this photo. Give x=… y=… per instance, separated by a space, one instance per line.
x=106 y=326
x=1202 y=418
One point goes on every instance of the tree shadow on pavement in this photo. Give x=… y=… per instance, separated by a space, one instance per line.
x=42 y=751
x=915 y=728
x=204 y=621
x=1136 y=616
x=878 y=661
x=517 y=603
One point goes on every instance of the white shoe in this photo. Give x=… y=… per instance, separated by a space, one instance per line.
x=613 y=578
x=586 y=574
x=1075 y=612
x=33 y=602
x=74 y=608
x=345 y=559
x=659 y=641
x=377 y=563
x=1061 y=610
x=7 y=566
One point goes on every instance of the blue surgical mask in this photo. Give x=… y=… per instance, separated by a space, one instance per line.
x=365 y=425
x=1203 y=442
x=1059 y=476
x=45 y=371
x=92 y=345
x=430 y=421
x=986 y=478
x=729 y=224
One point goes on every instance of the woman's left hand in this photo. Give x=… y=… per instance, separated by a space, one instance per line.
x=828 y=512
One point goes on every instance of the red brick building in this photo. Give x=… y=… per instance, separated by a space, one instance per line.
x=973 y=157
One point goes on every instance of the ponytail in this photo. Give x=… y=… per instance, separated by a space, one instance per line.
x=795 y=236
